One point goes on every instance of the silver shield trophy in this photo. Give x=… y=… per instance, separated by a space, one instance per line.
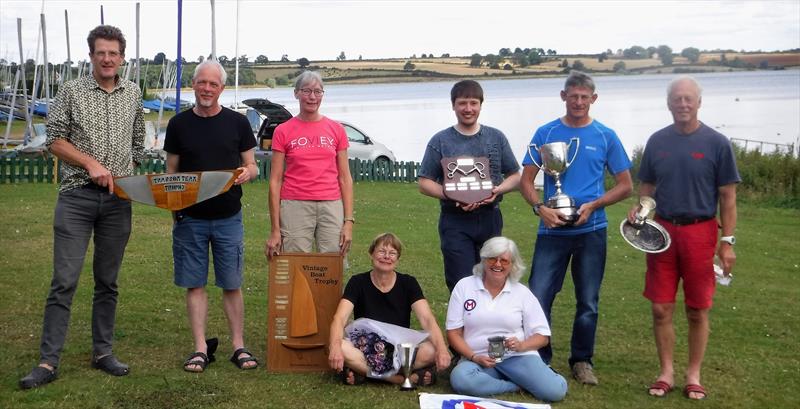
x=554 y=163
x=407 y=353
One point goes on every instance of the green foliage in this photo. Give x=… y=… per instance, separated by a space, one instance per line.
x=665 y=54
x=303 y=62
x=767 y=178
x=692 y=54
x=635 y=52
x=773 y=177
x=475 y=60
x=409 y=66
x=578 y=65
x=619 y=66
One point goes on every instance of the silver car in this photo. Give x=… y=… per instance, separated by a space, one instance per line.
x=265 y=116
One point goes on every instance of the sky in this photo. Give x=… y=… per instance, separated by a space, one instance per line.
x=321 y=30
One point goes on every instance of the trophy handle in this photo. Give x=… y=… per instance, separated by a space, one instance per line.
x=535 y=148
x=577 y=146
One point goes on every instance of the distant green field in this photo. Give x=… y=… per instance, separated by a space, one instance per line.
x=752 y=360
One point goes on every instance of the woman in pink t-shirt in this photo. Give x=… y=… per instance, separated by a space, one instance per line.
x=310 y=188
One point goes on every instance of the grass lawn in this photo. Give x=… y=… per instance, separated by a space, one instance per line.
x=753 y=357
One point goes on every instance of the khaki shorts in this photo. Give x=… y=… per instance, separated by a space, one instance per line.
x=305 y=222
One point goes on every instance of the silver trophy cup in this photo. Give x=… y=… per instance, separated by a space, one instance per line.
x=645 y=234
x=497 y=348
x=554 y=163
x=646 y=205
x=407 y=353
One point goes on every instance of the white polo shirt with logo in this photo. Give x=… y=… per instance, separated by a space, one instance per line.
x=514 y=312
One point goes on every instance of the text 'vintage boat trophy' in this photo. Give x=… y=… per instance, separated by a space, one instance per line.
x=645 y=234
x=467 y=180
x=555 y=163
x=175 y=191
x=304 y=290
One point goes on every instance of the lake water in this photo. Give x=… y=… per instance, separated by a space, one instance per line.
x=758 y=105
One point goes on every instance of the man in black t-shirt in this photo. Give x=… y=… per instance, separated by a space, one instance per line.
x=210 y=137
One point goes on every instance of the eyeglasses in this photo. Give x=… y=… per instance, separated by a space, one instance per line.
x=109 y=54
x=387 y=253
x=309 y=91
x=494 y=260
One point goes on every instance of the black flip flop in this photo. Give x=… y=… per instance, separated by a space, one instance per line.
x=421 y=375
x=358 y=379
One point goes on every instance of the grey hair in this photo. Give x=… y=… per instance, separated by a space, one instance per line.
x=675 y=81
x=307 y=77
x=495 y=247
x=223 y=76
x=579 y=79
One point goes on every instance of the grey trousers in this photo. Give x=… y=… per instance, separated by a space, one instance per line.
x=79 y=213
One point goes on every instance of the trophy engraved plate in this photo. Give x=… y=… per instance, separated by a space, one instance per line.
x=304 y=291
x=467 y=180
x=175 y=191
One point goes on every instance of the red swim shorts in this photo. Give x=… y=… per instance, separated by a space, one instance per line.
x=690 y=257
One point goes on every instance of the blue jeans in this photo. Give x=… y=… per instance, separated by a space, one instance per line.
x=528 y=372
x=462 y=235
x=81 y=214
x=550 y=258
x=190 y=240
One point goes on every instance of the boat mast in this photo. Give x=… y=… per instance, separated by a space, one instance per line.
x=21 y=69
x=236 y=84
x=138 y=61
x=213 y=32
x=68 y=75
x=45 y=73
x=178 y=61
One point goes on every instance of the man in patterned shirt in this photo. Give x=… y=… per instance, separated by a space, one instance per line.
x=96 y=128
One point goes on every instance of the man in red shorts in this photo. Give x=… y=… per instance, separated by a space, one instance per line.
x=689 y=169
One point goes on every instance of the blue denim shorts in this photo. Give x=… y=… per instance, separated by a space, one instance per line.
x=190 y=241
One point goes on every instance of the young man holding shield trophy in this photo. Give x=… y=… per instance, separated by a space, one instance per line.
x=574 y=151
x=473 y=150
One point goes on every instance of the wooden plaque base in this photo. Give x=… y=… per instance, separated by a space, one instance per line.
x=467 y=180
x=304 y=291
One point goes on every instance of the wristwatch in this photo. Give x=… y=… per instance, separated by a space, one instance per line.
x=536 y=207
x=728 y=239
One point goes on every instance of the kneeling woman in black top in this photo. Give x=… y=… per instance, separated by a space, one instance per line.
x=386 y=297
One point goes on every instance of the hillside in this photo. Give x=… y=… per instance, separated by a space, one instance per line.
x=399 y=69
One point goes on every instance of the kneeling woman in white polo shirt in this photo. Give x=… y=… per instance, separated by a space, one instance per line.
x=492 y=303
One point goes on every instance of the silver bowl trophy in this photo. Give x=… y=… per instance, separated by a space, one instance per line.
x=555 y=163
x=497 y=348
x=407 y=353
x=645 y=234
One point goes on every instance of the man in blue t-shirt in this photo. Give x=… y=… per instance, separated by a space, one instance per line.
x=463 y=228
x=690 y=170
x=583 y=243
